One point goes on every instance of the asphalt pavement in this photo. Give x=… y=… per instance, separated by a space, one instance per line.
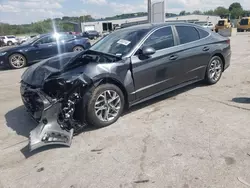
x=196 y=137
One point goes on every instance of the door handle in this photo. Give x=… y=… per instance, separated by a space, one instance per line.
x=206 y=48
x=173 y=57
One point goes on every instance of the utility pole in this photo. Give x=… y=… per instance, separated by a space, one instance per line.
x=149 y=11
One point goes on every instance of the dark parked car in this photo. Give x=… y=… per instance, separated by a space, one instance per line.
x=91 y=34
x=125 y=68
x=41 y=47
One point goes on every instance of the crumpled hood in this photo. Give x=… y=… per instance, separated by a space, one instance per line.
x=39 y=72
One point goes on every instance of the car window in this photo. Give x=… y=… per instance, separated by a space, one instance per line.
x=210 y=24
x=244 y=22
x=221 y=23
x=46 y=40
x=202 y=33
x=11 y=37
x=160 y=39
x=187 y=34
x=66 y=37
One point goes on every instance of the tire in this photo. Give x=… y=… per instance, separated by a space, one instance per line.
x=78 y=49
x=9 y=43
x=94 y=99
x=17 y=61
x=214 y=70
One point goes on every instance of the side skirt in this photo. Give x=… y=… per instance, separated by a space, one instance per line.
x=165 y=91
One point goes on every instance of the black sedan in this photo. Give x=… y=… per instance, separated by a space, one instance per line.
x=125 y=68
x=41 y=47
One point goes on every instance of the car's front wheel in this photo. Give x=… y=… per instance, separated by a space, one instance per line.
x=78 y=49
x=105 y=105
x=17 y=61
x=214 y=70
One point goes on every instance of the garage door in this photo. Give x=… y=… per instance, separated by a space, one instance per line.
x=89 y=27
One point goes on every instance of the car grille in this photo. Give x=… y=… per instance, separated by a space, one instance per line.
x=32 y=101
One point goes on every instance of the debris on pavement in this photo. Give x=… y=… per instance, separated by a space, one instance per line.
x=141 y=181
x=97 y=150
x=40 y=169
x=177 y=155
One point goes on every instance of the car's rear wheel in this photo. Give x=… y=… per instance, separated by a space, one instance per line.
x=214 y=70
x=9 y=43
x=17 y=61
x=105 y=105
x=78 y=49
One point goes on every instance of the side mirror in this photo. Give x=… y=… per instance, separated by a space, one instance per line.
x=148 y=51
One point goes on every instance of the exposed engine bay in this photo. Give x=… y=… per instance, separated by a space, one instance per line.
x=57 y=102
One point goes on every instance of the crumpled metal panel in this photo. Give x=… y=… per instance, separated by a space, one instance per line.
x=49 y=131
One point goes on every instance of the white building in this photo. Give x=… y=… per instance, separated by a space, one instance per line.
x=106 y=25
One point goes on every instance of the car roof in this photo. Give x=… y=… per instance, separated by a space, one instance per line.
x=152 y=26
x=47 y=34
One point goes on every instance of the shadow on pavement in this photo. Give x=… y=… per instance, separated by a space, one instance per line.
x=27 y=153
x=20 y=121
x=169 y=96
x=242 y=100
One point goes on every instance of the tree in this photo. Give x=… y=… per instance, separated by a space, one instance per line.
x=235 y=6
x=236 y=13
x=209 y=12
x=197 y=12
x=86 y=18
x=221 y=11
x=182 y=13
x=246 y=13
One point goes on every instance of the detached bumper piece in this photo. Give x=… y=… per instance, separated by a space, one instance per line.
x=45 y=111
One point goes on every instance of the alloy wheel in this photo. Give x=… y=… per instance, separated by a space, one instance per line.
x=78 y=49
x=17 y=61
x=107 y=105
x=215 y=70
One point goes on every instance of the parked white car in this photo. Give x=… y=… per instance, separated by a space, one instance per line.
x=210 y=26
x=9 y=40
x=21 y=40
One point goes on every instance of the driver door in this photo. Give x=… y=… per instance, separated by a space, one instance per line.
x=44 y=48
x=159 y=71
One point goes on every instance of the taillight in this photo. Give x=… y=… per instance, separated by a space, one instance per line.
x=228 y=41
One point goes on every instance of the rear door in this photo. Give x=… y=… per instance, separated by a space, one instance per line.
x=193 y=50
x=159 y=71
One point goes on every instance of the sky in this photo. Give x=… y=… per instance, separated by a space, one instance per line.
x=27 y=11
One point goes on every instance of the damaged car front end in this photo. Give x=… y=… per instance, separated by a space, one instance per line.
x=54 y=115
x=51 y=91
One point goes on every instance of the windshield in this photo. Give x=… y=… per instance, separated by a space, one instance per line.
x=244 y=22
x=221 y=23
x=120 y=42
